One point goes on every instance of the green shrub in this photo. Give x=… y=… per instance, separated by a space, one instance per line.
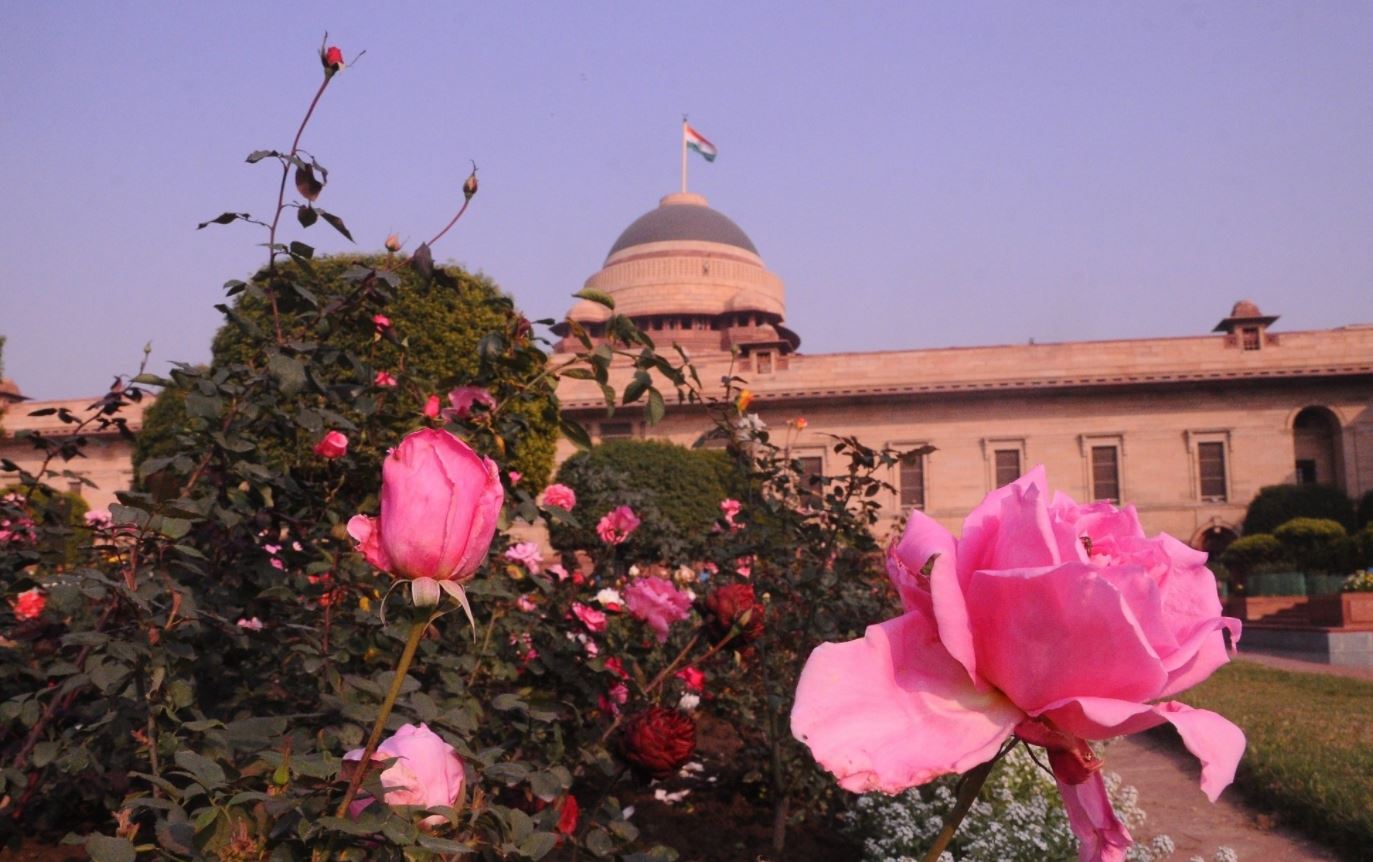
x=1276 y=584
x=1365 y=513
x=65 y=516
x=1317 y=545
x=674 y=490
x=1247 y=553
x=1278 y=504
x=1363 y=547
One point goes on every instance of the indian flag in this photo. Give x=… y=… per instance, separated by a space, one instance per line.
x=697 y=141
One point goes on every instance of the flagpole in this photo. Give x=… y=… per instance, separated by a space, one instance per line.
x=684 y=153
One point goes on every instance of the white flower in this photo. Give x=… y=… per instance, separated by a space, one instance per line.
x=689 y=701
x=670 y=798
x=608 y=596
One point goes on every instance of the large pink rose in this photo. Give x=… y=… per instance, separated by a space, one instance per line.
x=1056 y=622
x=427 y=772
x=439 y=506
x=658 y=603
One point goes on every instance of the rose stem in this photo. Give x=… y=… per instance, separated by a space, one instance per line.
x=416 y=633
x=967 y=794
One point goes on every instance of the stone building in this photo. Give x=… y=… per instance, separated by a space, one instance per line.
x=1185 y=429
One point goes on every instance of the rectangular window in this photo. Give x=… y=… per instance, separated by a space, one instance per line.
x=911 y=482
x=812 y=468
x=1306 y=471
x=1106 y=473
x=1250 y=338
x=1211 y=469
x=765 y=362
x=1007 y=466
x=616 y=430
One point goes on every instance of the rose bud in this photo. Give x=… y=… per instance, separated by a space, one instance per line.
x=381 y=322
x=332 y=60
x=469 y=188
x=332 y=445
x=734 y=606
x=29 y=604
x=393 y=243
x=431 y=407
x=427 y=772
x=658 y=740
x=439 y=505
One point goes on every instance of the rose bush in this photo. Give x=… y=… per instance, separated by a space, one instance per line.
x=1051 y=622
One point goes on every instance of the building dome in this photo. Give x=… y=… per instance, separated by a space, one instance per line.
x=688 y=272
x=683 y=217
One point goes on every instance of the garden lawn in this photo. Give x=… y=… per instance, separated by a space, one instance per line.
x=1310 y=753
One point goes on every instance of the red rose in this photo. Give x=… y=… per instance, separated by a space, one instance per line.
x=567 y=818
x=333 y=58
x=734 y=605
x=657 y=741
x=332 y=445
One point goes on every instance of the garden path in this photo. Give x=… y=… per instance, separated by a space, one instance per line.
x=1166 y=778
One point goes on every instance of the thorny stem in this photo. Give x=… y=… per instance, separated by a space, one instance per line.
x=486 y=644
x=967 y=794
x=438 y=236
x=672 y=665
x=281 y=198
x=417 y=630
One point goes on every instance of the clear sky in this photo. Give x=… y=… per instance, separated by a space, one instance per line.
x=919 y=174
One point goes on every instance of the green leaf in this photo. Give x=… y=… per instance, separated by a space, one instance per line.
x=105 y=848
x=306 y=216
x=636 y=387
x=201 y=768
x=574 y=432
x=536 y=846
x=289 y=373
x=655 y=409
x=301 y=250
x=598 y=841
x=336 y=223
x=599 y=297
x=173 y=528
x=223 y=218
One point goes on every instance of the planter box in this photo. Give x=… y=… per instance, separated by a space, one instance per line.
x=1343 y=610
x=1254 y=608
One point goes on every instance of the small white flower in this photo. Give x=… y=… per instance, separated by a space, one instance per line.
x=609 y=596
x=689 y=701
x=670 y=798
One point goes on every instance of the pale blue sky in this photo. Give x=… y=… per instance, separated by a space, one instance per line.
x=919 y=174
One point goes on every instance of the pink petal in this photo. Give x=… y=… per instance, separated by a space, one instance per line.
x=923 y=538
x=1202 y=657
x=1046 y=635
x=894 y=709
x=1211 y=738
x=1102 y=837
x=364 y=531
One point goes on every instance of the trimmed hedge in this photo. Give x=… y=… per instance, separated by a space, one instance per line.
x=1317 y=545
x=1248 y=553
x=1278 y=504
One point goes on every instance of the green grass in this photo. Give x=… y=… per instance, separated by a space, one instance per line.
x=1310 y=753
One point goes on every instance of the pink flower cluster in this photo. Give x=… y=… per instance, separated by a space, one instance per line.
x=1054 y=622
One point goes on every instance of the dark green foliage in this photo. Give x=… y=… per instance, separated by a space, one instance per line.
x=1317 y=545
x=60 y=517
x=1365 y=513
x=674 y=490
x=1363 y=547
x=1247 y=553
x=1278 y=504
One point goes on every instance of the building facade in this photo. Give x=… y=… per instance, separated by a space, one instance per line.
x=1185 y=429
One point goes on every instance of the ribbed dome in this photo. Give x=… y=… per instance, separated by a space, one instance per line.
x=683 y=217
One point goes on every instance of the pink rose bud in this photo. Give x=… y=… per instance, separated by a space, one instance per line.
x=469 y=188
x=593 y=619
x=439 y=505
x=560 y=496
x=427 y=772
x=515 y=476
x=431 y=407
x=333 y=445
x=384 y=379
x=382 y=322
x=393 y=243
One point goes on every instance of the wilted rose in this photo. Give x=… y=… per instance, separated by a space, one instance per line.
x=658 y=740
x=426 y=772
x=463 y=399
x=332 y=445
x=393 y=243
x=734 y=605
x=439 y=505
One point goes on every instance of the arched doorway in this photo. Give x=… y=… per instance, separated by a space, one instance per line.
x=1316 y=450
x=1214 y=540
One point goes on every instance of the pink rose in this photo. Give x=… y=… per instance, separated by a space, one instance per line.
x=557 y=571
x=99 y=519
x=252 y=625
x=385 y=380
x=515 y=476
x=658 y=603
x=744 y=566
x=29 y=604
x=617 y=525
x=593 y=619
x=431 y=407
x=526 y=554
x=561 y=496
x=381 y=322
x=526 y=604
x=332 y=445
x=730 y=509
x=439 y=506
x=612 y=700
x=463 y=399
x=427 y=772
x=1055 y=622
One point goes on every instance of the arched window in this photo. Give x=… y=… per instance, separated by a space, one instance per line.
x=1316 y=450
